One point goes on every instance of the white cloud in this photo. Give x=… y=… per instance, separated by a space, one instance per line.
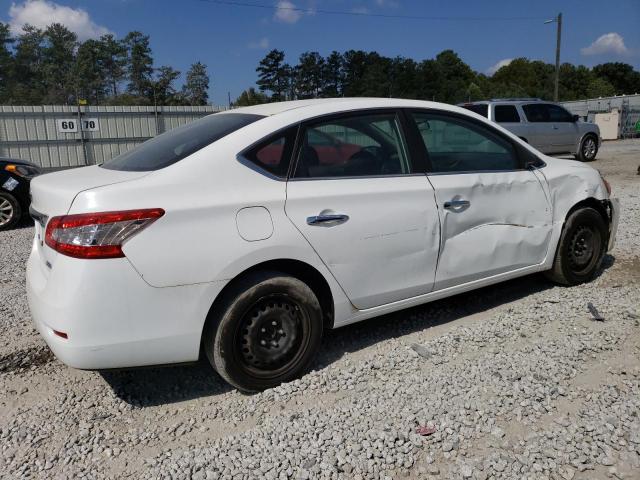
x=502 y=63
x=608 y=43
x=261 y=44
x=387 y=3
x=286 y=12
x=42 y=13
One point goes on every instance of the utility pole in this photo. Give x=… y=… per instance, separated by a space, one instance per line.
x=558 y=22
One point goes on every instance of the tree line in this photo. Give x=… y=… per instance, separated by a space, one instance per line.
x=50 y=66
x=445 y=78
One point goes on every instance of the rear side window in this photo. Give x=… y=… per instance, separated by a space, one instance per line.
x=274 y=153
x=480 y=109
x=506 y=114
x=179 y=143
x=353 y=145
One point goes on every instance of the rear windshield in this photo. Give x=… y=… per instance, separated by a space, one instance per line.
x=480 y=109
x=179 y=143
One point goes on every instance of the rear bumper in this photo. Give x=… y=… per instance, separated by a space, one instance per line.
x=111 y=316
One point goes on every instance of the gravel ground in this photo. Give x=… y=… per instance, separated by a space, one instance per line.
x=512 y=381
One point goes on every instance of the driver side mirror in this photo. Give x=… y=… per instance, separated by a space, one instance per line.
x=575 y=118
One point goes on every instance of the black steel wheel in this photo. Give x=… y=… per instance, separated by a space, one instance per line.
x=581 y=248
x=265 y=331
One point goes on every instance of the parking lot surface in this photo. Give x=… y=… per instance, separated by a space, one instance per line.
x=513 y=381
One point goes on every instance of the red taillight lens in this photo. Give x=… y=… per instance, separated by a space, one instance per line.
x=97 y=235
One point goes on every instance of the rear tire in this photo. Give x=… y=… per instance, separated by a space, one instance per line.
x=581 y=248
x=10 y=211
x=265 y=331
x=588 y=149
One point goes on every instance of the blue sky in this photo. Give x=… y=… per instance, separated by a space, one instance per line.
x=231 y=40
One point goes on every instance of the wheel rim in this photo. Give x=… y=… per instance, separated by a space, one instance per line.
x=272 y=336
x=584 y=249
x=589 y=148
x=6 y=212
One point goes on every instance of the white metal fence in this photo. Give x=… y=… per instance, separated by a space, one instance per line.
x=55 y=136
x=628 y=107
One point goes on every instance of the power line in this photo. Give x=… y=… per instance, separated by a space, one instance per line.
x=233 y=3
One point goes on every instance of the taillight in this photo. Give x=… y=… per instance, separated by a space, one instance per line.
x=97 y=235
x=607 y=185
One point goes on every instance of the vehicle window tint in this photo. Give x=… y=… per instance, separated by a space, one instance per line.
x=457 y=145
x=536 y=112
x=559 y=114
x=273 y=154
x=480 y=109
x=353 y=146
x=506 y=113
x=177 y=144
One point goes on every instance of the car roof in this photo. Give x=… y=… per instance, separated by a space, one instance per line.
x=506 y=100
x=340 y=104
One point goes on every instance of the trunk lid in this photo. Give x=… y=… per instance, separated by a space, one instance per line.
x=53 y=193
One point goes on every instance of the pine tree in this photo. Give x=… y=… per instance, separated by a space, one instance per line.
x=29 y=79
x=91 y=79
x=140 y=63
x=113 y=55
x=274 y=75
x=250 y=97
x=163 y=90
x=58 y=57
x=7 y=70
x=196 y=88
x=309 y=75
x=333 y=75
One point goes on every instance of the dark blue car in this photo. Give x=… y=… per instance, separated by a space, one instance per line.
x=15 y=177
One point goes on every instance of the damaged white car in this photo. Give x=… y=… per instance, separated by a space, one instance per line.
x=247 y=233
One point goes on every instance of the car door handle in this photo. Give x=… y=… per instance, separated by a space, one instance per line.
x=453 y=204
x=328 y=220
x=555 y=128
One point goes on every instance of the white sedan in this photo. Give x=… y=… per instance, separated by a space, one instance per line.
x=249 y=232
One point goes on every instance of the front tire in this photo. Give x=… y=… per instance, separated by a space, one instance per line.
x=265 y=331
x=581 y=248
x=588 y=149
x=10 y=211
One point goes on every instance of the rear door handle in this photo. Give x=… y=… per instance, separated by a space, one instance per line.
x=328 y=220
x=453 y=204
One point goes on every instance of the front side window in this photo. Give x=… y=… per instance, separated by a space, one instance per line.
x=479 y=108
x=353 y=146
x=506 y=114
x=559 y=114
x=536 y=112
x=179 y=143
x=454 y=144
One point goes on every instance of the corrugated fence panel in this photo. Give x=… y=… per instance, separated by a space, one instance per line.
x=35 y=133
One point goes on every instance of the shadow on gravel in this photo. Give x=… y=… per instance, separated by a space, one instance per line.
x=24 y=222
x=161 y=385
x=146 y=387
x=361 y=335
x=25 y=359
